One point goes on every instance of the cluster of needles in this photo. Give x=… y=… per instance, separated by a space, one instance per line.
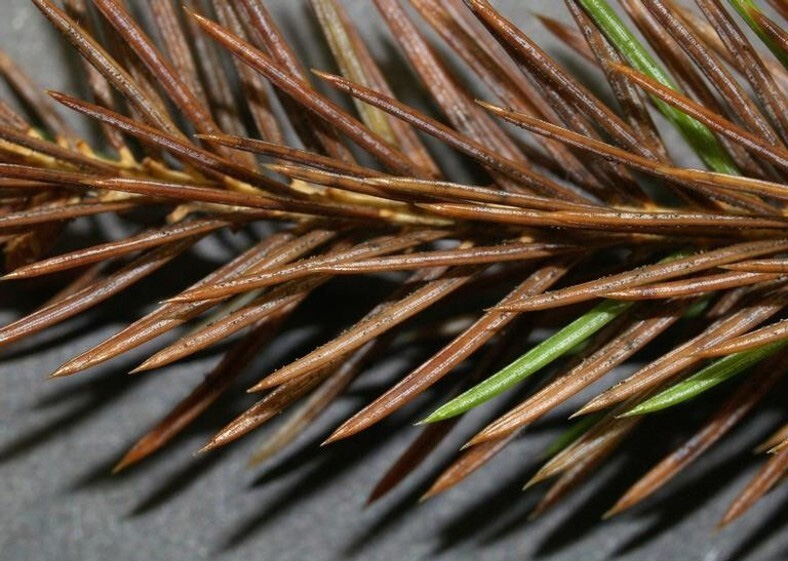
x=581 y=245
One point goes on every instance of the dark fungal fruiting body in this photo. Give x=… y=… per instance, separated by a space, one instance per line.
x=563 y=220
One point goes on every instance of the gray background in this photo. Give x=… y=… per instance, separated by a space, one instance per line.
x=59 y=439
